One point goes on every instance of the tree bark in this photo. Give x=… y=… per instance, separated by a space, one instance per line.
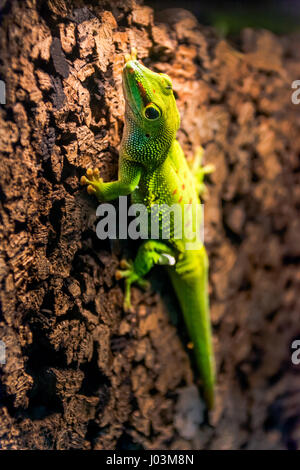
x=79 y=372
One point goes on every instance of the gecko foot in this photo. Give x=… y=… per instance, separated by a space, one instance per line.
x=128 y=273
x=93 y=182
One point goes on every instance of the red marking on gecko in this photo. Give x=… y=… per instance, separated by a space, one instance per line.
x=180 y=199
x=175 y=191
x=183 y=186
x=143 y=93
x=191 y=200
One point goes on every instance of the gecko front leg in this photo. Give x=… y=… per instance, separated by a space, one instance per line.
x=129 y=177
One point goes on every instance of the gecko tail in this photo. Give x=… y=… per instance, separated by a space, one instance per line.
x=190 y=281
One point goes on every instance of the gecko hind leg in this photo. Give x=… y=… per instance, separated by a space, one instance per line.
x=150 y=253
x=200 y=171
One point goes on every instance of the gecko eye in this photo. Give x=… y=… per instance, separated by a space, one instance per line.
x=152 y=111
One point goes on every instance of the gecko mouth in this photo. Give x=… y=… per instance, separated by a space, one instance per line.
x=135 y=93
x=130 y=102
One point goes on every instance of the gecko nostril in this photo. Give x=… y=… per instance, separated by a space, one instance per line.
x=147 y=135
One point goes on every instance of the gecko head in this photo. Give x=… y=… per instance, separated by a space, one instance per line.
x=150 y=107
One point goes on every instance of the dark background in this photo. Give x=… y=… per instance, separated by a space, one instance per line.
x=229 y=17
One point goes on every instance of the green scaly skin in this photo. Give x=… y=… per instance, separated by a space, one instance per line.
x=153 y=169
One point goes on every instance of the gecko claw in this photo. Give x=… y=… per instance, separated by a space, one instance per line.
x=128 y=308
x=89 y=172
x=93 y=182
x=208 y=169
x=90 y=189
x=120 y=274
x=124 y=264
x=132 y=55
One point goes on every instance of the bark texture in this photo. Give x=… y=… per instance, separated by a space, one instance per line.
x=79 y=373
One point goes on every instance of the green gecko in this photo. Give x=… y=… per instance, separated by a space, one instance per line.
x=153 y=169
